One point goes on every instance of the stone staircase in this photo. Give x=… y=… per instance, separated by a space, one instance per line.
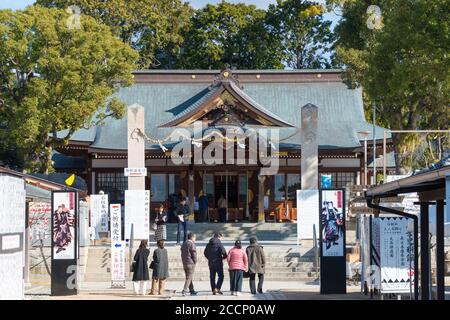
x=284 y=263
x=241 y=231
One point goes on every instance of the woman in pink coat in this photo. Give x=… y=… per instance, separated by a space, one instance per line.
x=237 y=263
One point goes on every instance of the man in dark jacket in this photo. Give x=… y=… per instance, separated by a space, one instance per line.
x=215 y=253
x=256 y=264
x=189 y=258
x=183 y=211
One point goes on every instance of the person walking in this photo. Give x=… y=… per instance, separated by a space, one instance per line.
x=140 y=268
x=215 y=253
x=202 y=206
x=256 y=264
x=160 y=266
x=183 y=211
x=189 y=259
x=222 y=205
x=160 y=220
x=237 y=263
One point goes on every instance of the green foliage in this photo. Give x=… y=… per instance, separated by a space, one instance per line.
x=149 y=26
x=230 y=33
x=305 y=36
x=403 y=67
x=55 y=78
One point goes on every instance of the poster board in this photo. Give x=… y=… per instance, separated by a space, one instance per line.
x=99 y=212
x=307 y=217
x=137 y=211
x=64 y=244
x=39 y=216
x=333 y=272
x=332 y=223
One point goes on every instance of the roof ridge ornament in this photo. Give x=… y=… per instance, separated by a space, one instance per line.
x=226 y=75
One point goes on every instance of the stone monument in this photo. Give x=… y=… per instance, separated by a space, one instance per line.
x=136 y=144
x=309 y=147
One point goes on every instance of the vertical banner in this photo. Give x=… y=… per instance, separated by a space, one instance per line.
x=307 y=208
x=137 y=210
x=64 y=242
x=365 y=251
x=117 y=248
x=332 y=244
x=396 y=255
x=99 y=212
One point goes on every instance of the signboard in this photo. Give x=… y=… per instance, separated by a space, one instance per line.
x=137 y=210
x=64 y=243
x=307 y=213
x=12 y=230
x=396 y=254
x=39 y=222
x=135 y=172
x=333 y=223
x=99 y=212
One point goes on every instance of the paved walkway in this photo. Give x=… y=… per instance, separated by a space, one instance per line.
x=273 y=290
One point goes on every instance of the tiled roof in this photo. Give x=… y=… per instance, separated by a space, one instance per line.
x=341 y=114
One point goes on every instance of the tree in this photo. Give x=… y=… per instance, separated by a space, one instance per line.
x=54 y=77
x=148 y=26
x=403 y=67
x=305 y=36
x=230 y=33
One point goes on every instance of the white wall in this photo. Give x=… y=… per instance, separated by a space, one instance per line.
x=12 y=231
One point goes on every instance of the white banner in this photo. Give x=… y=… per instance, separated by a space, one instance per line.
x=99 y=212
x=396 y=255
x=307 y=213
x=116 y=222
x=137 y=210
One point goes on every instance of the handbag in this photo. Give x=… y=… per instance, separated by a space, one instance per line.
x=152 y=265
x=246 y=274
x=133 y=266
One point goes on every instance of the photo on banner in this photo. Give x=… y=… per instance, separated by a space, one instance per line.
x=333 y=223
x=64 y=224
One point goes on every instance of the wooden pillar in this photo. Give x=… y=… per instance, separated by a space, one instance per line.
x=191 y=193
x=261 y=215
x=440 y=260
x=424 y=253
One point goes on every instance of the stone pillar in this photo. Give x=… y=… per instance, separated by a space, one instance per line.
x=309 y=147
x=136 y=145
x=261 y=194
